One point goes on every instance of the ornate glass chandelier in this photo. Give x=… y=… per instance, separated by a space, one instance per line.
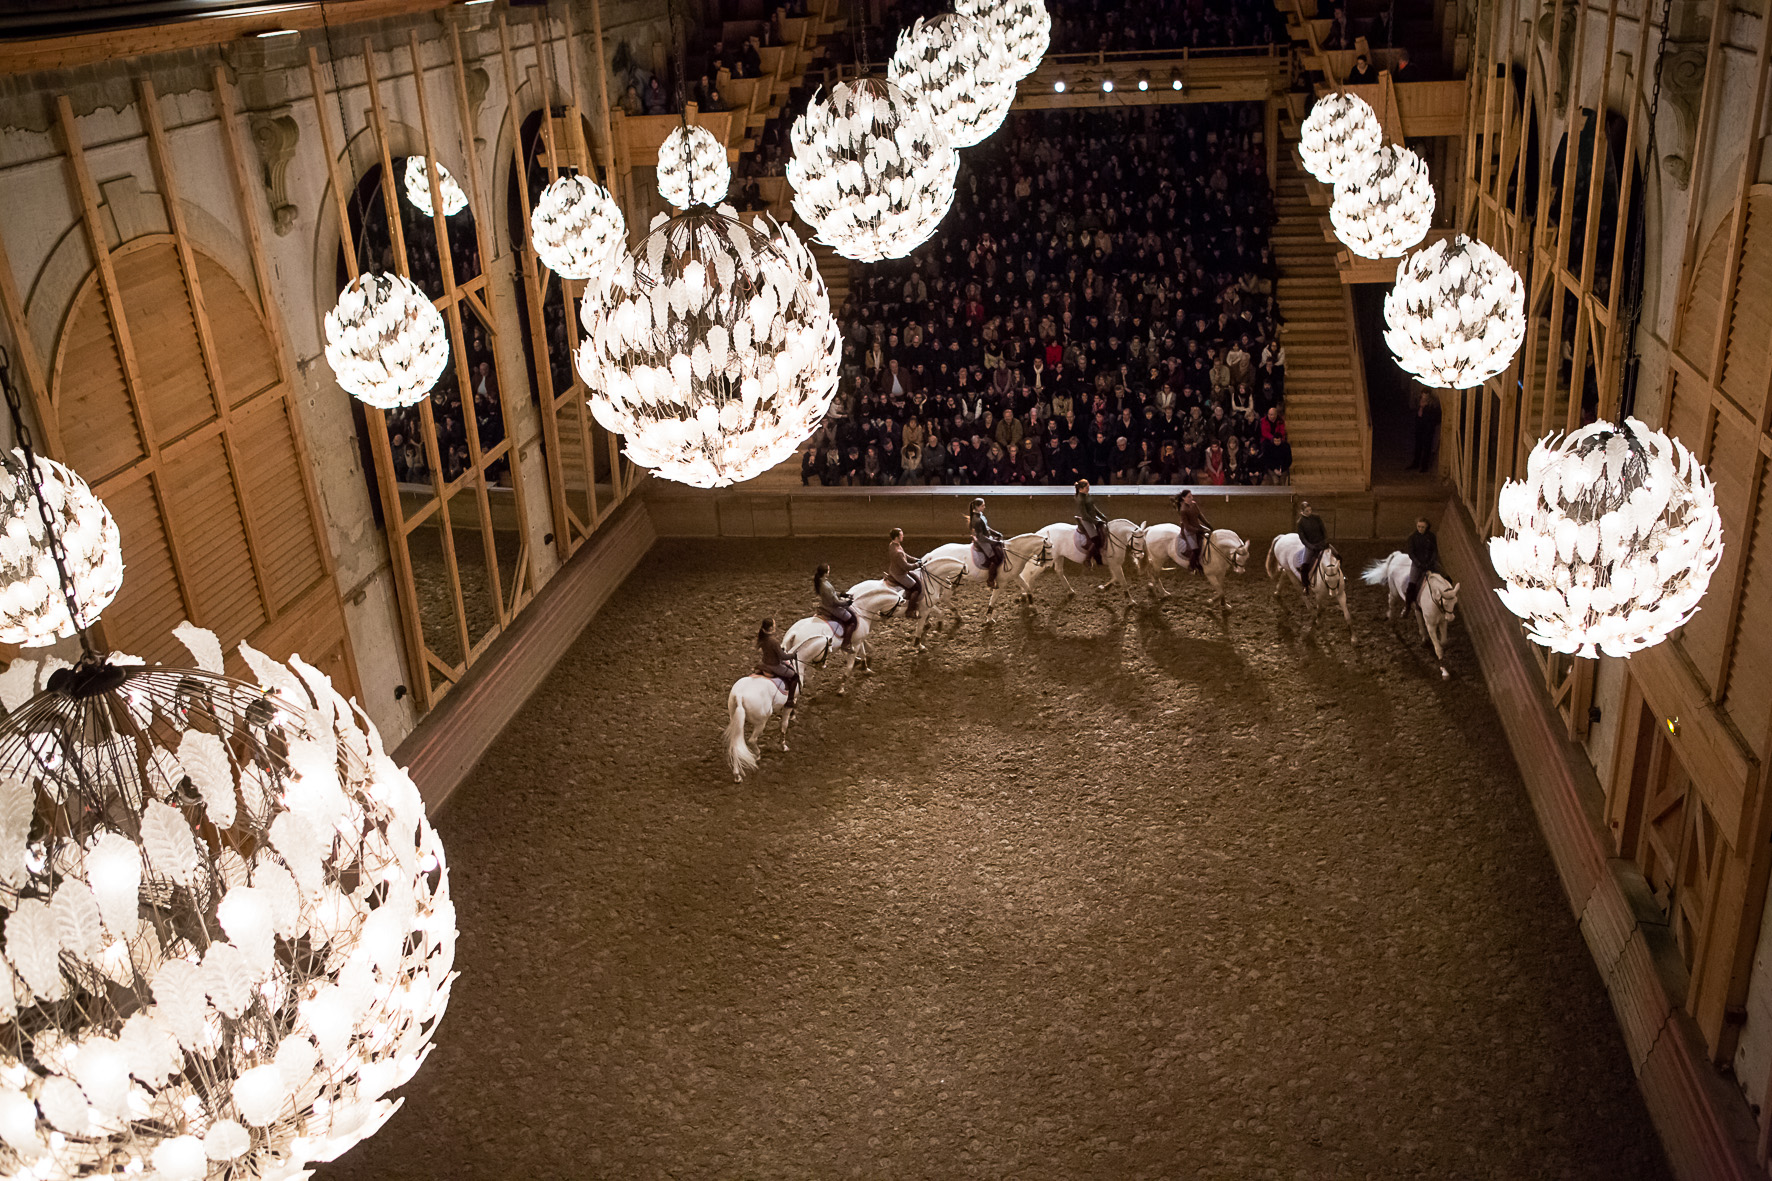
x=870 y=170
x=1610 y=541
x=418 y=188
x=1387 y=209
x=385 y=341
x=33 y=610
x=692 y=168
x=228 y=932
x=1024 y=28
x=578 y=228
x=713 y=350
x=1457 y=314
x=959 y=69
x=1338 y=136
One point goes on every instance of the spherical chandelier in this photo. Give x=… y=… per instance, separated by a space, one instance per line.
x=385 y=341
x=959 y=69
x=1023 y=27
x=1610 y=541
x=578 y=228
x=33 y=608
x=870 y=170
x=713 y=350
x=418 y=188
x=228 y=932
x=1338 y=136
x=1388 y=208
x=1457 y=314
x=692 y=168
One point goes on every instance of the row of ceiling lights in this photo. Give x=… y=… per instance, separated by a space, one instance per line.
x=1108 y=84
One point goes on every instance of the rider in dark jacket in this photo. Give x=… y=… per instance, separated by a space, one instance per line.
x=1424 y=559
x=1195 y=528
x=901 y=571
x=1092 y=521
x=773 y=662
x=1315 y=538
x=832 y=603
x=988 y=541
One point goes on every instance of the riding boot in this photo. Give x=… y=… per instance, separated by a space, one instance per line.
x=793 y=691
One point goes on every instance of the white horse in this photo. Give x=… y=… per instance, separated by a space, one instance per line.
x=1018 y=551
x=814 y=639
x=1226 y=553
x=1436 y=600
x=755 y=699
x=1328 y=580
x=1124 y=540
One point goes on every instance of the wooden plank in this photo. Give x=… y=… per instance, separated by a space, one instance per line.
x=30 y=366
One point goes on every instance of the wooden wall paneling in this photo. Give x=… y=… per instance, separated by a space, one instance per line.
x=119 y=325
x=418 y=679
x=167 y=180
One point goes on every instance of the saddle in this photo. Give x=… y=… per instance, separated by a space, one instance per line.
x=1091 y=550
x=836 y=626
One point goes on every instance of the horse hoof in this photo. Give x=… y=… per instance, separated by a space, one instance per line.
x=922 y=648
x=784 y=746
x=1444 y=675
x=842 y=689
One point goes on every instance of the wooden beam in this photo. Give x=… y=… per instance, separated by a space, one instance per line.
x=30 y=366
x=263 y=276
x=535 y=294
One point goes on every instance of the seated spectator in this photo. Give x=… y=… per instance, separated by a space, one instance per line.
x=1277 y=451
x=910 y=464
x=811 y=465
x=1212 y=471
x=1362 y=73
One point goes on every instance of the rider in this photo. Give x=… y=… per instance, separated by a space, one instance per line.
x=1092 y=521
x=833 y=604
x=1424 y=558
x=1315 y=538
x=901 y=570
x=774 y=662
x=987 y=540
x=1195 y=528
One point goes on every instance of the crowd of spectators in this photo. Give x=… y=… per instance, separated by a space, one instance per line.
x=1109 y=26
x=1098 y=303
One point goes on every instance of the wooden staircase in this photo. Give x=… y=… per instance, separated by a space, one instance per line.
x=1326 y=414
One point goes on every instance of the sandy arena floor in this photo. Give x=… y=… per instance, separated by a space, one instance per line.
x=1094 y=893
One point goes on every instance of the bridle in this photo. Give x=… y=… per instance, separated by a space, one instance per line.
x=1339 y=583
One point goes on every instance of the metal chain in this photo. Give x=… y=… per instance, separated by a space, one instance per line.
x=57 y=552
x=1634 y=287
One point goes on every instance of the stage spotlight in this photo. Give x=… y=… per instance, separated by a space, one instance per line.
x=1058 y=85
x=1144 y=79
x=1107 y=85
x=1175 y=79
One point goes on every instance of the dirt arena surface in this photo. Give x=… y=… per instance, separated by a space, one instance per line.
x=1094 y=893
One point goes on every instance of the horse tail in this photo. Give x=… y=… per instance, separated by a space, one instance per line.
x=738 y=752
x=1273 y=561
x=1376 y=571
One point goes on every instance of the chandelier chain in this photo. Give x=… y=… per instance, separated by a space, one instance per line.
x=57 y=552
